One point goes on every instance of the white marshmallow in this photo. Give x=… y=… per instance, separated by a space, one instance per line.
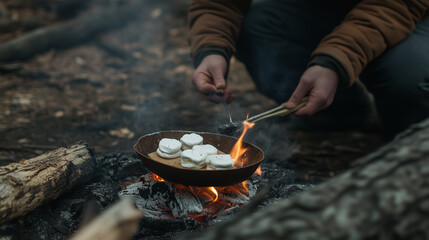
x=193 y=159
x=190 y=140
x=168 y=155
x=186 y=147
x=217 y=162
x=207 y=148
x=169 y=145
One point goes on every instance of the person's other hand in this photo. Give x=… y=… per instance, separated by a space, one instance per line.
x=209 y=77
x=320 y=83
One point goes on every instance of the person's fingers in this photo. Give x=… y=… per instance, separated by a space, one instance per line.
x=218 y=77
x=304 y=86
x=311 y=108
x=316 y=102
x=202 y=83
x=214 y=98
x=209 y=78
x=229 y=97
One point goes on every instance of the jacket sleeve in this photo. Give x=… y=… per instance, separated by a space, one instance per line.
x=215 y=26
x=370 y=28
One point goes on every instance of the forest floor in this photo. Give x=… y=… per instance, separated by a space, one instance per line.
x=89 y=92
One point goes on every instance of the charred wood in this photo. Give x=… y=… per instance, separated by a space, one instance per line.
x=121 y=221
x=385 y=196
x=69 y=33
x=32 y=182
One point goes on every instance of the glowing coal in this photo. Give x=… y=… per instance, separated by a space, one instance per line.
x=159 y=199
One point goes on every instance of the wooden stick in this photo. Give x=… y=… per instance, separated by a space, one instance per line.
x=278 y=111
x=284 y=112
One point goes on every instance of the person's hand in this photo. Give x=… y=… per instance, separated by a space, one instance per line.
x=209 y=77
x=320 y=83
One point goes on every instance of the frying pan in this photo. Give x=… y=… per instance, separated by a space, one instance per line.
x=172 y=171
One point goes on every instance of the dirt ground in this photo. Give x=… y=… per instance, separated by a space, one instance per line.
x=90 y=92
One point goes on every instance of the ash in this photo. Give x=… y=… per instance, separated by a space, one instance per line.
x=164 y=200
x=170 y=210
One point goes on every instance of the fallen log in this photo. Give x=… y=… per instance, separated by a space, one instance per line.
x=32 y=182
x=385 y=196
x=121 y=221
x=69 y=33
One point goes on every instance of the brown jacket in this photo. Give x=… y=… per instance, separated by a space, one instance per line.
x=371 y=27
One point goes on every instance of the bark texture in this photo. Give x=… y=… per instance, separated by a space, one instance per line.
x=121 y=221
x=32 y=182
x=385 y=196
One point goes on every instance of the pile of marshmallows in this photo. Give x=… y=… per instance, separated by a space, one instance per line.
x=195 y=154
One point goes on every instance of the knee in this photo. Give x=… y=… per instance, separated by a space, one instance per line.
x=401 y=90
x=404 y=68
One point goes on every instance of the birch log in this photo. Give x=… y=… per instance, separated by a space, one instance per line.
x=385 y=196
x=32 y=182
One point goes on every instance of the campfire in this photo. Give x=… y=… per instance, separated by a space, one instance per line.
x=160 y=199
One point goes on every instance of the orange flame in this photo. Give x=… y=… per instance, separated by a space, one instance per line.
x=157 y=178
x=215 y=193
x=206 y=191
x=246 y=188
x=258 y=171
x=238 y=151
x=211 y=195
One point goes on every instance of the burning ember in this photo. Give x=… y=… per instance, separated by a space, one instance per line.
x=209 y=192
x=163 y=200
x=258 y=171
x=157 y=178
x=238 y=152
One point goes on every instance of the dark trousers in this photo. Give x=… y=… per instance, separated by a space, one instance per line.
x=276 y=42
